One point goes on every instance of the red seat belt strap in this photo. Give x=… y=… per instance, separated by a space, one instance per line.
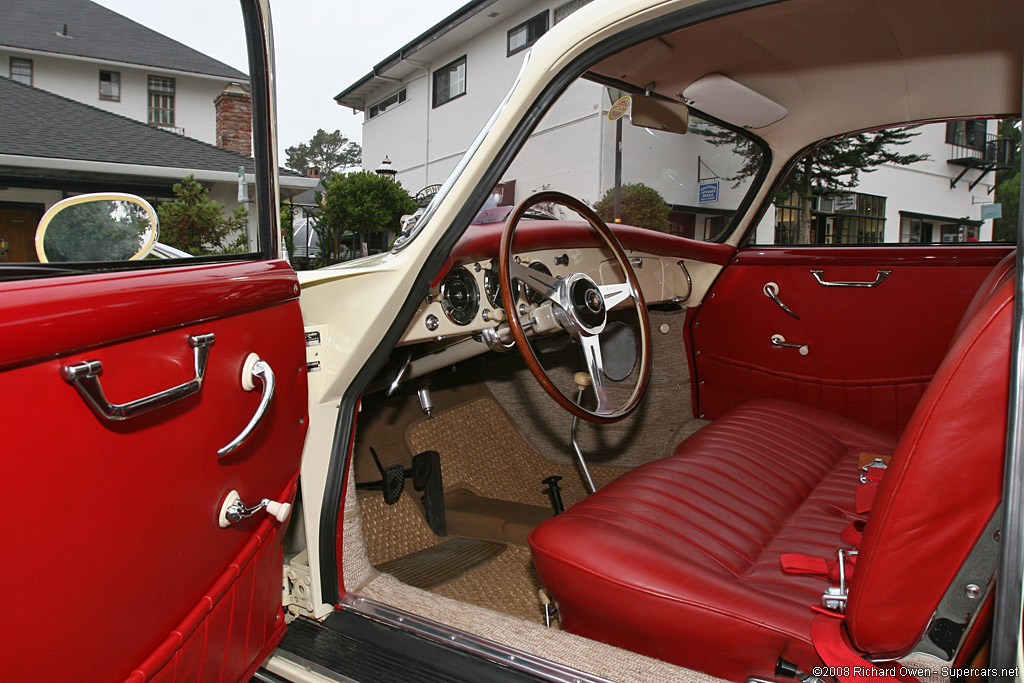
x=846 y=664
x=796 y=563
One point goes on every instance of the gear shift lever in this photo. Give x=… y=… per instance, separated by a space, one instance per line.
x=583 y=381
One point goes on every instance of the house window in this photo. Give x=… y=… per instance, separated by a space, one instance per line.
x=21 y=70
x=924 y=229
x=562 y=11
x=450 y=81
x=971 y=134
x=851 y=218
x=161 y=101
x=527 y=33
x=110 y=85
x=387 y=103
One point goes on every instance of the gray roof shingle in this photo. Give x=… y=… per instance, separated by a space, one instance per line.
x=99 y=33
x=37 y=123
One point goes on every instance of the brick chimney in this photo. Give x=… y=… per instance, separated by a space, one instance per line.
x=234 y=119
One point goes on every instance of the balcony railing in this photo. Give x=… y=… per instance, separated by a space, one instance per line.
x=995 y=152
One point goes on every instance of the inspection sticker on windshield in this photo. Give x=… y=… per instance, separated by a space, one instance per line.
x=619 y=109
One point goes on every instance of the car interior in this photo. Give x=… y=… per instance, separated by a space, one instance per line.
x=611 y=457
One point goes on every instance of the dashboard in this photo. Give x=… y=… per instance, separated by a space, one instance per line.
x=467 y=298
x=462 y=316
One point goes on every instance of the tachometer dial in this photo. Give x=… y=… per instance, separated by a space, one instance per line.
x=533 y=296
x=460 y=296
x=492 y=285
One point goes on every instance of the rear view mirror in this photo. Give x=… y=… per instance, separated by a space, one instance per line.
x=658 y=114
x=97 y=227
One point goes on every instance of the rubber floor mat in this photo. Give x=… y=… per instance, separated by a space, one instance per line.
x=440 y=563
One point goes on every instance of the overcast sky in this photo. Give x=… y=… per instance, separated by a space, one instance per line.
x=322 y=47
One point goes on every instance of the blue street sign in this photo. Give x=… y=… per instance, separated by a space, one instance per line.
x=991 y=211
x=707 y=192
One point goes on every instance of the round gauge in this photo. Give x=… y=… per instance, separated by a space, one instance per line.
x=532 y=296
x=460 y=296
x=492 y=285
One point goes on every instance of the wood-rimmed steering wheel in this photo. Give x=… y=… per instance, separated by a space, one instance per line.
x=580 y=306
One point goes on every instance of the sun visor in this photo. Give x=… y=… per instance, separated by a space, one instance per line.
x=732 y=102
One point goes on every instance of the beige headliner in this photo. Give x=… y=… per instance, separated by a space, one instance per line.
x=843 y=65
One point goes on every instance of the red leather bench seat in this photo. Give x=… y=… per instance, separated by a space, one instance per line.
x=679 y=558
x=682 y=554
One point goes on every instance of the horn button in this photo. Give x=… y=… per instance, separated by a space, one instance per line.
x=587 y=303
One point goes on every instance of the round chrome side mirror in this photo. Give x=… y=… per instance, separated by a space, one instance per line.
x=105 y=226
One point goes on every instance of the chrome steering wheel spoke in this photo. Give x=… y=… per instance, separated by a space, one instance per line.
x=595 y=368
x=546 y=285
x=615 y=294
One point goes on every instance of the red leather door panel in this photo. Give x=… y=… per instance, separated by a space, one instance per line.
x=117 y=567
x=871 y=351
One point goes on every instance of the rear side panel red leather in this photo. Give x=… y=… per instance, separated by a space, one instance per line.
x=871 y=351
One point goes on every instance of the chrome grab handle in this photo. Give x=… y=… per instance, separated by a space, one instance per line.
x=771 y=290
x=779 y=342
x=85 y=377
x=882 y=274
x=254 y=368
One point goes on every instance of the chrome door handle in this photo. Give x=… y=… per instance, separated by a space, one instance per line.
x=771 y=290
x=882 y=274
x=254 y=368
x=85 y=377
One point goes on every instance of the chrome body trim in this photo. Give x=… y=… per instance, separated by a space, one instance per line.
x=488 y=649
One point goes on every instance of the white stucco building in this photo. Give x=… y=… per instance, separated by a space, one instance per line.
x=93 y=55
x=424 y=104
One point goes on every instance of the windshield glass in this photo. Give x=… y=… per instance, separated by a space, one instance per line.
x=643 y=161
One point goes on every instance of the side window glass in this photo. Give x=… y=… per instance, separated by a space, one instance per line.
x=937 y=183
x=166 y=146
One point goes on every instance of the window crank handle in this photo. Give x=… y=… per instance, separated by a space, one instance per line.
x=779 y=342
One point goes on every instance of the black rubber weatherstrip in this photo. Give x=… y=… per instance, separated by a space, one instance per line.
x=363 y=649
x=259 y=75
x=333 y=488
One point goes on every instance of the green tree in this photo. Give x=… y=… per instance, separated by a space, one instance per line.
x=829 y=168
x=1008 y=185
x=287 y=230
x=196 y=224
x=362 y=203
x=642 y=206
x=332 y=153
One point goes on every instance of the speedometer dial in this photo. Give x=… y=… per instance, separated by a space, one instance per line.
x=492 y=285
x=533 y=296
x=460 y=296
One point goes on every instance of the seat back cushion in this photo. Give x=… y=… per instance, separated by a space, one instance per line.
x=1000 y=273
x=942 y=486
